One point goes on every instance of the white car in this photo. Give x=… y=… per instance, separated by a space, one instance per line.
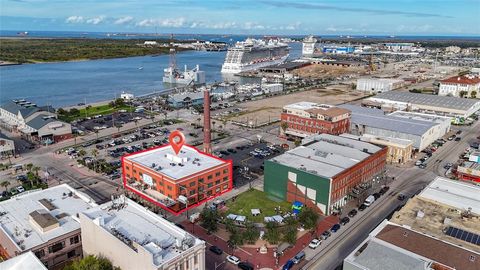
x=233 y=259
x=20 y=189
x=314 y=243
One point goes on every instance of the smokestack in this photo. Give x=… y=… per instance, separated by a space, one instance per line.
x=206 y=121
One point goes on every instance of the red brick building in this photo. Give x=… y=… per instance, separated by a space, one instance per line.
x=306 y=118
x=161 y=177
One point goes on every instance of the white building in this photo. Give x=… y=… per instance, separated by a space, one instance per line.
x=126 y=96
x=26 y=261
x=455 y=85
x=375 y=85
x=44 y=222
x=35 y=123
x=429 y=104
x=132 y=237
x=7 y=146
x=272 y=88
x=445 y=123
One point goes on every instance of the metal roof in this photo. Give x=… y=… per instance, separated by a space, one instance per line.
x=376 y=119
x=41 y=120
x=14 y=108
x=461 y=195
x=428 y=100
x=327 y=155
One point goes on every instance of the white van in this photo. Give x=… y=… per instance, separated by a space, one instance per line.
x=370 y=199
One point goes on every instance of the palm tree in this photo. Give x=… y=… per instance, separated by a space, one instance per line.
x=119 y=126
x=29 y=167
x=82 y=152
x=94 y=154
x=35 y=169
x=198 y=120
x=5 y=184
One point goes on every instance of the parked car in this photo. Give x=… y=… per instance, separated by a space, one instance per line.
x=233 y=259
x=288 y=265
x=299 y=257
x=325 y=235
x=422 y=166
x=457 y=139
x=362 y=207
x=20 y=189
x=246 y=266
x=352 y=213
x=384 y=190
x=401 y=197
x=369 y=200
x=344 y=221
x=335 y=228
x=314 y=243
x=216 y=250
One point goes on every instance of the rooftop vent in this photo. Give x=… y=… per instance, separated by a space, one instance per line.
x=44 y=220
x=47 y=204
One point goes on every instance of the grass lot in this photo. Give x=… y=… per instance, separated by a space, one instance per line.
x=92 y=111
x=255 y=199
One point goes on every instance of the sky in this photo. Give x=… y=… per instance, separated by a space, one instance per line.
x=280 y=17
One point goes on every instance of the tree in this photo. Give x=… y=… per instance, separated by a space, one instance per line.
x=273 y=234
x=209 y=219
x=236 y=239
x=91 y=263
x=119 y=102
x=61 y=111
x=284 y=126
x=29 y=167
x=94 y=154
x=251 y=233
x=32 y=178
x=119 y=126
x=309 y=218
x=5 y=184
x=74 y=111
x=82 y=152
x=463 y=93
x=230 y=226
x=290 y=230
x=473 y=94
x=297 y=142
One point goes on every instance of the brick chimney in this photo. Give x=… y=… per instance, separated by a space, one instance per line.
x=207 y=148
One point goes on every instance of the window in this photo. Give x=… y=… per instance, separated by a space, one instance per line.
x=192 y=184
x=217 y=174
x=200 y=189
x=217 y=182
x=74 y=240
x=209 y=185
x=134 y=171
x=160 y=183
x=169 y=187
x=40 y=253
x=126 y=167
x=225 y=178
x=56 y=247
x=192 y=192
x=217 y=190
x=209 y=192
x=210 y=177
x=225 y=171
x=200 y=180
x=225 y=186
x=71 y=253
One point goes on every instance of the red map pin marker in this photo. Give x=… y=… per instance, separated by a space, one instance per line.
x=176 y=145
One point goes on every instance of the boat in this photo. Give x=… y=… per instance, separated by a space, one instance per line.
x=174 y=76
x=140 y=68
x=252 y=54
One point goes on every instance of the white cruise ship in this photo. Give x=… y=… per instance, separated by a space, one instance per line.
x=253 y=54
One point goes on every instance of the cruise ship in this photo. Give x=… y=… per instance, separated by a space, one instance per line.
x=253 y=54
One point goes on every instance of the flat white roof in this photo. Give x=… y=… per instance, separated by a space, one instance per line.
x=133 y=223
x=305 y=105
x=461 y=195
x=25 y=261
x=190 y=161
x=15 y=218
x=422 y=116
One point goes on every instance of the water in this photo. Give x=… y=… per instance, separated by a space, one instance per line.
x=69 y=83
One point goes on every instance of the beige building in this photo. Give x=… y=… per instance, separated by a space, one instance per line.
x=44 y=222
x=7 y=146
x=399 y=150
x=134 y=238
x=26 y=261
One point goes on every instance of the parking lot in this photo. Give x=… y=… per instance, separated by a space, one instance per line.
x=99 y=122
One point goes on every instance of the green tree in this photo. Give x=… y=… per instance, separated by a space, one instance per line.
x=209 y=219
x=284 y=126
x=74 y=111
x=309 y=218
x=32 y=178
x=251 y=233
x=61 y=111
x=230 y=225
x=119 y=102
x=473 y=94
x=236 y=239
x=272 y=235
x=94 y=153
x=82 y=153
x=297 y=142
x=5 y=184
x=463 y=93
x=91 y=263
x=290 y=230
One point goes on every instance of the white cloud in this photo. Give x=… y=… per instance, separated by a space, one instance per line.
x=169 y=22
x=75 y=19
x=123 y=20
x=96 y=20
x=253 y=25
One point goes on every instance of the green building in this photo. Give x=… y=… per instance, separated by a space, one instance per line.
x=322 y=172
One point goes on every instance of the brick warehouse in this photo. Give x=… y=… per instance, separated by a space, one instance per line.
x=307 y=118
x=161 y=177
x=323 y=171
